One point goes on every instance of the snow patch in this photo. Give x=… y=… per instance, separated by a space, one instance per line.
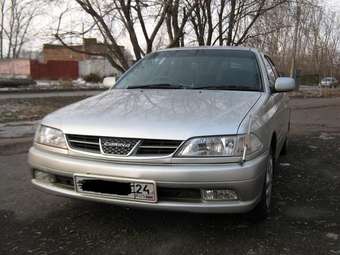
x=326 y=136
x=332 y=236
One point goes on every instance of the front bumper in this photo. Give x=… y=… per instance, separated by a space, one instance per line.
x=247 y=180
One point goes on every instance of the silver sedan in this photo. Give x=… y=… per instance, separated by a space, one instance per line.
x=187 y=129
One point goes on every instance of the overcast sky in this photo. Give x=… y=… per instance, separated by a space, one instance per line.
x=334 y=3
x=46 y=24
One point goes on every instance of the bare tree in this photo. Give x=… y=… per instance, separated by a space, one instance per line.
x=2 y=27
x=16 y=22
x=304 y=29
x=141 y=19
x=176 y=19
x=115 y=54
x=231 y=22
x=147 y=25
x=228 y=22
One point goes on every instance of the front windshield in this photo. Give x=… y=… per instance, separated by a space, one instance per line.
x=195 y=69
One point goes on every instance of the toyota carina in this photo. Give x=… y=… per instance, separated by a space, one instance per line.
x=187 y=129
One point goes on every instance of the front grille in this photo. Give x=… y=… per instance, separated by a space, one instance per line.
x=84 y=143
x=157 y=147
x=117 y=146
x=122 y=146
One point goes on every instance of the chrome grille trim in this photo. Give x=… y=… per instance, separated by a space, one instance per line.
x=158 y=147
x=79 y=141
x=143 y=147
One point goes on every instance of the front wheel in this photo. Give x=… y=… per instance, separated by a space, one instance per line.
x=262 y=209
x=284 y=149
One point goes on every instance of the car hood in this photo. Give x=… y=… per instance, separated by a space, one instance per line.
x=155 y=114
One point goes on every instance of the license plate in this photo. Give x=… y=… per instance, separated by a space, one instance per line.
x=125 y=189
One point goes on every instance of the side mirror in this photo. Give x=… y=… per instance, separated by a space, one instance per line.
x=284 y=84
x=109 y=82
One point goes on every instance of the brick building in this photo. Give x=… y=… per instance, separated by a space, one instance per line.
x=59 y=52
x=51 y=70
x=60 y=62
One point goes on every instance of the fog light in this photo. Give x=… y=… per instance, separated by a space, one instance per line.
x=219 y=194
x=44 y=177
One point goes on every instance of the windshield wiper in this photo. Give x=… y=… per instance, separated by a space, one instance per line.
x=157 y=86
x=227 y=87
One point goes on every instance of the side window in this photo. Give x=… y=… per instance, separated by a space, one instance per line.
x=276 y=72
x=270 y=72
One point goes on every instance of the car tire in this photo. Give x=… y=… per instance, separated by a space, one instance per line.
x=284 y=150
x=262 y=209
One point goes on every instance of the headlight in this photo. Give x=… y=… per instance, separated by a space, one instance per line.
x=50 y=136
x=220 y=146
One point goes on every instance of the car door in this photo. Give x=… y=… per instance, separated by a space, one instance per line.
x=280 y=103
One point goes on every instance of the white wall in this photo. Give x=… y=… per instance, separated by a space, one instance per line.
x=101 y=67
x=15 y=68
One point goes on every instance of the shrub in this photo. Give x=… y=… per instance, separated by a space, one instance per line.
x=16 y=82
x=92 y=77
x=66 y=83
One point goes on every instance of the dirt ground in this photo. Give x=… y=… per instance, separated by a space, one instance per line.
x=29 y=109
x=305 y=218
x=315 y=92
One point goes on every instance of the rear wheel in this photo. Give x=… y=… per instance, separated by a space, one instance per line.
x=262 y=209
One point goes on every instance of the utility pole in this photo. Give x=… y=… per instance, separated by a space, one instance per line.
x=296 y=33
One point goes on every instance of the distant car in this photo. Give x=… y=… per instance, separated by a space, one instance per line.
x=330 y=82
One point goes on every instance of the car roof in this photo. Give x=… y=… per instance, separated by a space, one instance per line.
x=210 y=48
